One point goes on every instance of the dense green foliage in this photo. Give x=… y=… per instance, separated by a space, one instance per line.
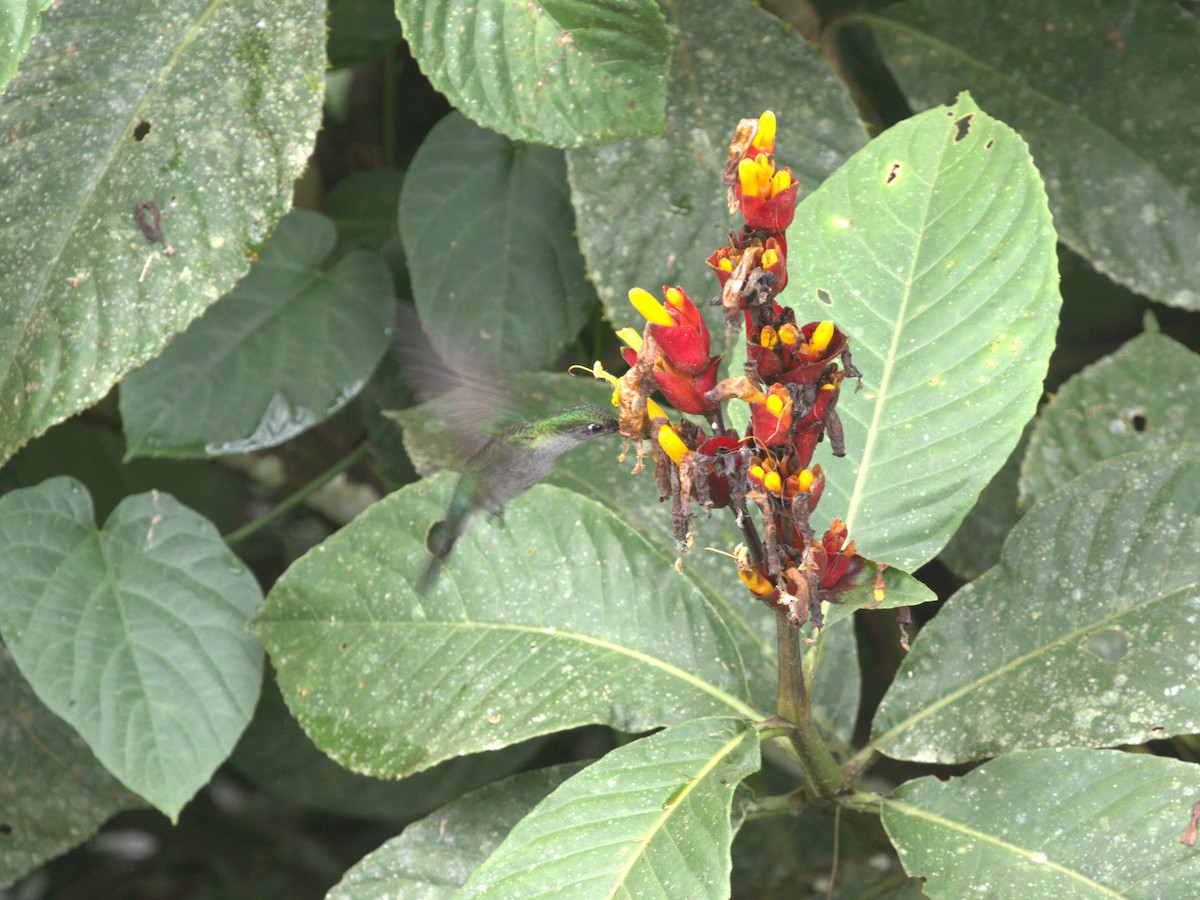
x=209 y=691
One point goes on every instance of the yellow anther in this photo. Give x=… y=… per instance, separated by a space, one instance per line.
x=758 y=472
x=821 y=337
x=780 y=182
x=764 y=137
x=631 y=338
x=768 y=338
x=596 y=371
x=772 y=482
x=653 y=410
x=748 y=177
x=724 y=264
x=775 y=405
x=675 y=297
x=653 y=311
x=789 y=334
x=804 y=481
x=769 y=258
x=671 y=444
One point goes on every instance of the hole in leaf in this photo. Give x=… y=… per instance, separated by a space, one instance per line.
x=1137 y=418
x=962 y=126
x=893 y=173
x=1110 y=645
x=5 y=828
x=824 y=296
x=140 y=130
x=991 y=142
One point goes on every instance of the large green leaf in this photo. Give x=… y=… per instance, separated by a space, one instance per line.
x=488 y=232
x=436 y=856
x=665 y=832
x=562 y=618
x=1083 y=634
x=285 y=349
x=105 y=114
x=933 y=250
x=1089 y=84
x=1144 y=396
x=558 y=72
x=1051 y=823
x=55 y=793
x=133 y=633
x=651 y=210
x=19 y=20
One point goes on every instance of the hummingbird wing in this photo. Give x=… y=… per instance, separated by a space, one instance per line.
x=472 y=403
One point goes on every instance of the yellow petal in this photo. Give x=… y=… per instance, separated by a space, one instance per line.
x=631 y=339
x=772 y=482
x=780 y=182
x=764 y=137
x=804 y=481
x=653 y=311
x=653 y=410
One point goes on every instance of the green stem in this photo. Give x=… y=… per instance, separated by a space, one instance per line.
x=294 y=500
x=792 y=704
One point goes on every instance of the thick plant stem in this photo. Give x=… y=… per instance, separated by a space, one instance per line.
x=792 y=704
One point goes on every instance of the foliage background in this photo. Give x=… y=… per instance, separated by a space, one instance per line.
x=213 y=113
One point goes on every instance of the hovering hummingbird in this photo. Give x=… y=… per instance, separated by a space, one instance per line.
x=501 y=464
x=509 y=464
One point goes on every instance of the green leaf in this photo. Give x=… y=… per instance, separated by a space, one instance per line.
x=277 y=755
x=1084 y=633
x=1086 y=82
x=1143 y=397
x=595 y=471
x=1051 y=823
x=933 y=250
x=105 y=114
x=285 y=349
x=133 y=633
x=19 y=20
x=488 y=231
x=365 y=207
x=558 y=72
x=563 y=617
x=665 y=833
x=436 y=856
x=899 y=589
x=975 y=547
x=652 y=210
x=55 y=793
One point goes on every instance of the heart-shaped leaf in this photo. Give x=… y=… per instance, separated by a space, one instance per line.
x=932 y=249
x=1050 y=823
x=489 y=236
x=558 y=72
x=562 y=617
x=285 y=349
x=665 y=833
x=111 y=155
x=55 y=793
x=1084 y=633
x=133 y=633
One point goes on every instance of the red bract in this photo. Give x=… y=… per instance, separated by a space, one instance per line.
x=770 y=213
x=685 y=342
x=686 y=392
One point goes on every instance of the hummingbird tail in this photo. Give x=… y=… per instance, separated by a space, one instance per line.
x=439 y=541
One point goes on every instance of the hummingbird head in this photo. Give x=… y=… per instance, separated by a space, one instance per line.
x=583 y=421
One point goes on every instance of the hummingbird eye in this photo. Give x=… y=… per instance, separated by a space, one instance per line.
x=594 y=428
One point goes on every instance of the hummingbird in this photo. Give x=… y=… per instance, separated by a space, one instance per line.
x=508 y=465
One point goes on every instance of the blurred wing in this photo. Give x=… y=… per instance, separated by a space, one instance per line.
x=471 y=403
